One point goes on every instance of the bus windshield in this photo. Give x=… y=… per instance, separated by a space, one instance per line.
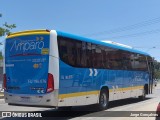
x=26 y=62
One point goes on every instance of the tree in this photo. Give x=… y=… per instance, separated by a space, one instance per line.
x=5 y=29
x=157 y=69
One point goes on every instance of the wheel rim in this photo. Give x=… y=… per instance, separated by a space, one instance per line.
x=103 y=100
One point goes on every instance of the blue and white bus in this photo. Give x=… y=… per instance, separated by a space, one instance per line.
x=53 y=68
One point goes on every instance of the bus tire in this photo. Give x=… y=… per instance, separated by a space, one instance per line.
x=143 y=96
x=103 y=99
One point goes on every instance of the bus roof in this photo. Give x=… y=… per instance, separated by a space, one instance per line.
x=109 y=44
x=28 y=32
x=99 y=42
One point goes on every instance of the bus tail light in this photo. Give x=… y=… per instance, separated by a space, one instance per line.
x=4 y=82
x=50 y=84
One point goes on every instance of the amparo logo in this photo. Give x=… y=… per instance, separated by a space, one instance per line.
x=27 y=45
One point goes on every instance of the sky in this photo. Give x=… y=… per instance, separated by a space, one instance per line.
x=132 y=22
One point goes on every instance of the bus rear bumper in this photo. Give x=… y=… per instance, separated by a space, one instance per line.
x=48 y=99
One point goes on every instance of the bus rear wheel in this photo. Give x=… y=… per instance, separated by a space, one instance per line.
x=103 y=100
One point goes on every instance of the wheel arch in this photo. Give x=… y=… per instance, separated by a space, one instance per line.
x=104 y=88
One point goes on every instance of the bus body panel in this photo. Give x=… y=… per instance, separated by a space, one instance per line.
x=41 y=99
x=54 y=58
x=77 y=83
x=80 y=86
x=75 y=86
x=27 y=59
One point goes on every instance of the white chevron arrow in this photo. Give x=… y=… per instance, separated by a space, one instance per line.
x=91 y=72
x=96 y=72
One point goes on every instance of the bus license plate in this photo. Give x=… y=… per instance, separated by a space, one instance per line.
x=25 y=99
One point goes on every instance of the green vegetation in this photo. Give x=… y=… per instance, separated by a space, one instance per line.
x=5 y=29
x=157 y=70
x=1 y=56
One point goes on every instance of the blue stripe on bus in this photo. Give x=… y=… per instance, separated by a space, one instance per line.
x=74 y=80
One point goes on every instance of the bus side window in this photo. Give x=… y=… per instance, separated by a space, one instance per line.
x=78 y=53
x=71 y=53
x=63 y=50
x=97 y=56
x=67 y=50
x=83 y=61
x=140 y=63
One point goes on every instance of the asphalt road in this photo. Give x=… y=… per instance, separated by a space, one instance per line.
x=116 y=108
